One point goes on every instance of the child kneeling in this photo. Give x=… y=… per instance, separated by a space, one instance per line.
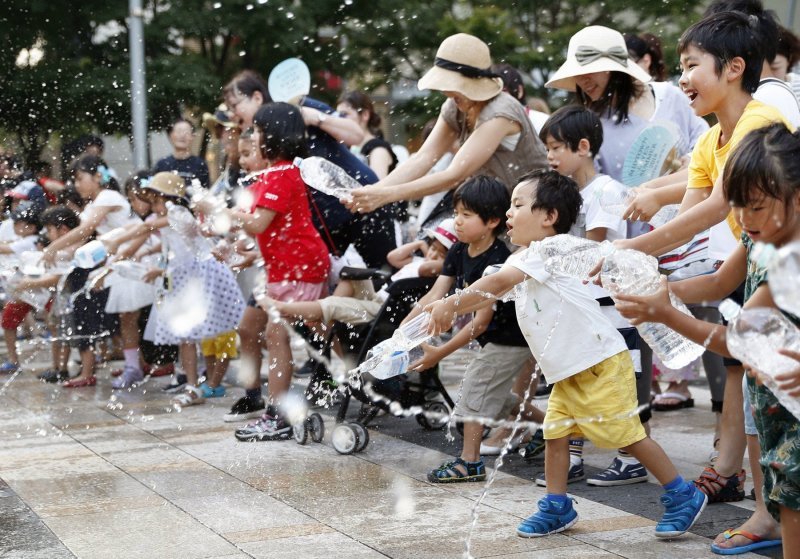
x=592 y=375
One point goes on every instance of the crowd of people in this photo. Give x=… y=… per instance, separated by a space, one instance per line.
x=182 y=275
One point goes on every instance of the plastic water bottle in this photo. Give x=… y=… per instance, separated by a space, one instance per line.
x=327 y=177
x=634 y=273
x=754 y=337
x=664 y=215
x=406 y=338
x=614 y=200
x=784 y=271
x=570 y=255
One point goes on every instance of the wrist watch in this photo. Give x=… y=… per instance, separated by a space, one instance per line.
x=321 y=117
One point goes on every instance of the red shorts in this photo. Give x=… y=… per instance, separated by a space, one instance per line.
x=14 y=313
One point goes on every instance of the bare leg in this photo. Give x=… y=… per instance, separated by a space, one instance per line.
x=790 y=528
x=280 y=362
x=307 y=310
x=217 y=370
x=653 y=457
x=188 y=354
x=761 y=522
x=129 y=329
x=11 y=345
x=87 y=362
x=732 y=439
x=470 y=450
x=251 y=335
x=556 y=465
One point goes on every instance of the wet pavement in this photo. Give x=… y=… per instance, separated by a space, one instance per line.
x=92 y=473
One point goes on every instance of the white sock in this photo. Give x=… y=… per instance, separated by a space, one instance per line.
x=132 y=358
x=628 y=460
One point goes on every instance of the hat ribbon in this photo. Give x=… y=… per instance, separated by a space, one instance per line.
x=446 y=234
x=586 y=55
x=464 y=69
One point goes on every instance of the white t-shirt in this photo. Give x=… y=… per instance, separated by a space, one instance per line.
x=563 y=325
x=24 y=244
x=593 y=216
x=7 y=232
x=114 y=219
x=779 y=94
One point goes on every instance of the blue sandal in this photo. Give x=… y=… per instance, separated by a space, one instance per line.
x=209 y=392
x=448 y=473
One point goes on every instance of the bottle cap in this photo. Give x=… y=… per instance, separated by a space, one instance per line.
x=729 y=309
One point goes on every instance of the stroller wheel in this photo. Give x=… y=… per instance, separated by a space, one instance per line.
x=345 y=439
x=440 y=412
x=316 y=427
x=300 y=433
x=363 y=436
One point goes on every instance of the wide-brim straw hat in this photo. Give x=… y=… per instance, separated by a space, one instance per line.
x=595 y=49
x=220 y=117
x=168 y=184
x=463 y=65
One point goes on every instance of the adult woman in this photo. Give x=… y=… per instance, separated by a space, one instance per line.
x=598 y=69
x=358 y=107
x=496 y=136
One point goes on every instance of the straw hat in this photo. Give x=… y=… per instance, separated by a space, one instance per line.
x=595 y=49
x=220 y=117
x=462 y=65
x=168 y=184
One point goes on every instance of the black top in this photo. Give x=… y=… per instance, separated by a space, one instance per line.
x=504 y=328
x=190 y=168
x=367 y=148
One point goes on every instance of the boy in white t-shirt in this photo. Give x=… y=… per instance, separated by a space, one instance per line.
x=592 y=374
x=573 y=136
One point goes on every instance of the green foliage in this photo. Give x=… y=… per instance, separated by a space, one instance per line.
x=194 y=46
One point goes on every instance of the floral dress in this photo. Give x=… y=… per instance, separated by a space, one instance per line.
x=778 y=429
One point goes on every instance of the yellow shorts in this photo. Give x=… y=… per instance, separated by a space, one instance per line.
x=221 y=347
x=606 y=390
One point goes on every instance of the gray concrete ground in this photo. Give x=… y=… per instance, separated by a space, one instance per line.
x=92 y=473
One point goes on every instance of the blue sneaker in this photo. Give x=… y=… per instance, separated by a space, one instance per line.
x=209 y=392
x=619 y=473
x=8 y=367
x=551 y=518
x=575 y=474
x=683 y=508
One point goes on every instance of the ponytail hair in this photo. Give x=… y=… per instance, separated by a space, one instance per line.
x=361 y=102
x=765 y=163
x=95 y=165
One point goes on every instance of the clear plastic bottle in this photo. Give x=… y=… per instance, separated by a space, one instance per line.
x=406 y=338
x=784 y=271
x=634 y=273
x=614 y=200
x=754 y=337
x=327 y=177
x=570 y=255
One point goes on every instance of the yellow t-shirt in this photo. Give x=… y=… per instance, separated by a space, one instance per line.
x=708 y=158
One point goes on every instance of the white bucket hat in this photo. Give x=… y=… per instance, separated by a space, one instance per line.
x=463 y=65
x=595 y=49
x=445 y=233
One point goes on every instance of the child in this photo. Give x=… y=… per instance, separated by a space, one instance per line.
x=591 y=378
x=295 y=258
x=762 y=183
x=356 y=302
x=57 y=222
x=573 y=136
x=26 y=227
x=480 y=204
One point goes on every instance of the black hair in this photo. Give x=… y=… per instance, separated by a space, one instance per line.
x=171 y=126
x=788 y=45
x=283 y=131
x=615 y=101
x=647 y=43
x=93 y=164
x=572 y=123
x=246 y=83
x=487 y=197
x=89 y=140
x=766 y=21
x=726 y=35
x=137 y=181
x=247 y=134
x=764 y=163
x=60 y=215
x=361 y=102
x=27 y=212
x=69 y=194
x=555 y=192
x=512 y=80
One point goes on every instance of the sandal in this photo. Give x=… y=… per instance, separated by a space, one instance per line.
x=721 y=489
x=759 y=542
x=448 y=473
x=190 y=397
x=683 y=401
x=212 y=392
x=80 y=382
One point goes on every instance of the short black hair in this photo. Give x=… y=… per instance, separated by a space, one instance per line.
x=171 y=126
x=487 y=197
x=555 y=192
x=726 y=35
x=60 y=215
x=512 y=80
x=27 y=212
x=763 y=164
x=283 y=131
x=788 y=45
x=572 y=123
x=246 y=83
x=767 y=21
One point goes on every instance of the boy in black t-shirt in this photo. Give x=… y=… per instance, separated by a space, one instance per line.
x=480 y=215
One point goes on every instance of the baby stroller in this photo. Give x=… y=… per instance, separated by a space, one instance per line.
x=425 y=391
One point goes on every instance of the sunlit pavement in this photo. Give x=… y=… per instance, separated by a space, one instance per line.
x=86 y=476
